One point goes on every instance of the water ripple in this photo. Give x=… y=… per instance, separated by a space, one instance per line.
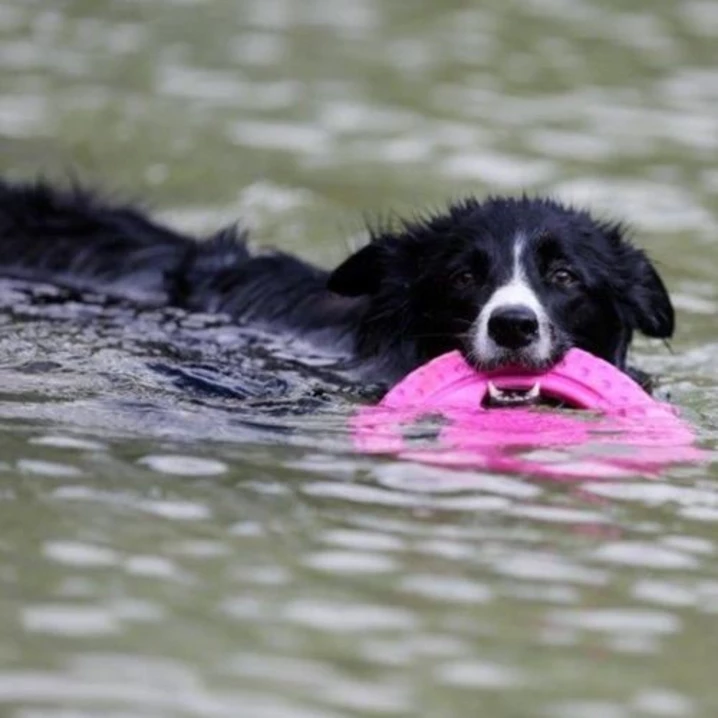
x=200 y=540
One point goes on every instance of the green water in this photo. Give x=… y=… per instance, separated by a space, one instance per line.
x=160 y=557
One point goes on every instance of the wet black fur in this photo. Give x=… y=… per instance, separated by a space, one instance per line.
x=407 y=296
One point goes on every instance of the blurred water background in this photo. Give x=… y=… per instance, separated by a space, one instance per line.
x=166 y=552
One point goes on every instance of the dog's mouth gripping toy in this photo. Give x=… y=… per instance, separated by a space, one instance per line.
x=582 y=417
x=511 y=396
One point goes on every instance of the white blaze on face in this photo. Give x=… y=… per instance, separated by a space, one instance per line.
x=517 y=292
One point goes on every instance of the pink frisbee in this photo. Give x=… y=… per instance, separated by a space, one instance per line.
x=581 y=418
x=580 y=381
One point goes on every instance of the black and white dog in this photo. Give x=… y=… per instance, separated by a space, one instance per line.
x=506 y=281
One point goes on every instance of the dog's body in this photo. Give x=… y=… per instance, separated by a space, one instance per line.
x=507 y=281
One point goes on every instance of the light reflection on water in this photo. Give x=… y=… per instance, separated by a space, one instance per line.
x=167 y=552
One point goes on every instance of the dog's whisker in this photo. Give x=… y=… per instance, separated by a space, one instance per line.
x=386 y=313
x=436 y=335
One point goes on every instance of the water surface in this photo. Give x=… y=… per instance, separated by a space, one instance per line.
x=169 y=550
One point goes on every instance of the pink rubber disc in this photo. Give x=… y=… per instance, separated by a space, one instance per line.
x=622 y=431
x=580 y=380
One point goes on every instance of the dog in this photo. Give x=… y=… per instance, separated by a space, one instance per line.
x=507 y=281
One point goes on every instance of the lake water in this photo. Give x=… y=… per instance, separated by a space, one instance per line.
x=167 y=551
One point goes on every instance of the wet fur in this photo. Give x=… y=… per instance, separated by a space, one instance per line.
x=389 y=307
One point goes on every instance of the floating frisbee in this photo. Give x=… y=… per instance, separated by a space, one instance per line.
x=579 y=381
x=582 y=417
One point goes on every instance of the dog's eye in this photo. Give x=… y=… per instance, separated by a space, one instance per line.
x=562 y=277
x=462 y=280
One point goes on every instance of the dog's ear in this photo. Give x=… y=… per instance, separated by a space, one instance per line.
x=649 y=306
x=360 y=274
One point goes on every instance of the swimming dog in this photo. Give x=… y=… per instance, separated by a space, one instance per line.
x=507 y=281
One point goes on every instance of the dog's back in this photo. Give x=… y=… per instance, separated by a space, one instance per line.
x=74 y=239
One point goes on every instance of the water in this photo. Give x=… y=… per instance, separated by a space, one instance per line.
x=172 y=550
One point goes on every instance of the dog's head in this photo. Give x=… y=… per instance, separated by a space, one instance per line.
x=508 y=282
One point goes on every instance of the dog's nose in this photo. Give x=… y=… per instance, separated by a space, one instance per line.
x=513 y=327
